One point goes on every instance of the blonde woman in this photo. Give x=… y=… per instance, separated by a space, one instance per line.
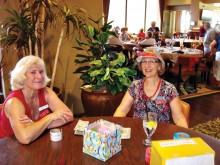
x=31 y=107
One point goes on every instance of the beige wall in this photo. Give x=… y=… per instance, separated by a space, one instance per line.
x=65 y=79
x=195 y=14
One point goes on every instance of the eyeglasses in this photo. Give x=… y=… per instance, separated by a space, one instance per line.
x=150 y=62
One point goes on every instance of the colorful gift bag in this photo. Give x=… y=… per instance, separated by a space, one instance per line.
x=102 y=139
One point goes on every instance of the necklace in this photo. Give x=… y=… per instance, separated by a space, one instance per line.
x=158 y=86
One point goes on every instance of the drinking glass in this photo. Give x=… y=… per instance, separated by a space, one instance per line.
x=149 y=125
x=159 y=43
x=167 y=41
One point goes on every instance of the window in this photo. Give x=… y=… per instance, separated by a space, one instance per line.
x=139 y=14
x=153 y=13
x=185 y=21
x=117 y=12
x=135 y=15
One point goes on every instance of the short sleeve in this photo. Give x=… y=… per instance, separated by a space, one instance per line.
x=172 y=92
x=131 y=90
x=134 y=88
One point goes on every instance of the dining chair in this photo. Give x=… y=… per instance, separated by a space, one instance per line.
x=205 y=65
x=185 y=109
x=183 y=68
x=177 y=34
x=184 y=105
x=1 y=105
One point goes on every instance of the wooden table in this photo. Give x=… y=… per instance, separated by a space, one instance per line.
x=69 y=150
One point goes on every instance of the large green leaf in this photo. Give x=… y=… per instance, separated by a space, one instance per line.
x=113 y=90
x=118 y=71
x=104 y=58
x=119 y=61
x=91 y=31
x=96 y=62
x=129 y=72
x=107 y=75
x=94 y=73
x=103 y=38
x=125 y=81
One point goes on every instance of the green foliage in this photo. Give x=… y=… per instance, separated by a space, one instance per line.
x=23 y=28
x=18 y=29
x=104 y=69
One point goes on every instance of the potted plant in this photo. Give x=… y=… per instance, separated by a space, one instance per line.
x=25 y=29
x=106 y=75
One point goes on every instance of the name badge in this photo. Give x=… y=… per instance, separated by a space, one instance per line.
x=160 y=102
x=44 y=107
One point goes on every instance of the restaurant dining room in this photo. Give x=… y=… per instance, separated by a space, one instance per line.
x=110 y=82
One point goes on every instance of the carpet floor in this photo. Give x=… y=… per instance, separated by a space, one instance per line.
x=202 y=89
x=211 y=128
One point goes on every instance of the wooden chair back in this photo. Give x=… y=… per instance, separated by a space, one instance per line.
x=186 y=110
x=184 y=105
x=1 y=105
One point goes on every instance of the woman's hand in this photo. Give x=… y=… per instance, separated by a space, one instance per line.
x=25 y=120
x=64 y=115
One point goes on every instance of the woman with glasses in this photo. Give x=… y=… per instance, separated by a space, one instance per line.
x=151 y=93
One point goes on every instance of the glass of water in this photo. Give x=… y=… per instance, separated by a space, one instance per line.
x=149 y=125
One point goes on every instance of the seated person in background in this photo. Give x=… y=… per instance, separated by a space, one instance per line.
x=151 y=93
x=141 y=34
x=155 y=31
x=124 y=35
x=31 y=107
x=149 y=40
x=117 y=31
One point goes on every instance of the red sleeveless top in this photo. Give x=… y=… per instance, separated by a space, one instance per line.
x=5 y=126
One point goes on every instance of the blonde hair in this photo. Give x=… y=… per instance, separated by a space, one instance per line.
x=18 y=74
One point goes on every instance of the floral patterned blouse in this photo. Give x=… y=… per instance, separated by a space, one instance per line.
x=160 y=105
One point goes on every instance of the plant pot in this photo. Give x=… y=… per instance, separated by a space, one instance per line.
x=99 y=103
